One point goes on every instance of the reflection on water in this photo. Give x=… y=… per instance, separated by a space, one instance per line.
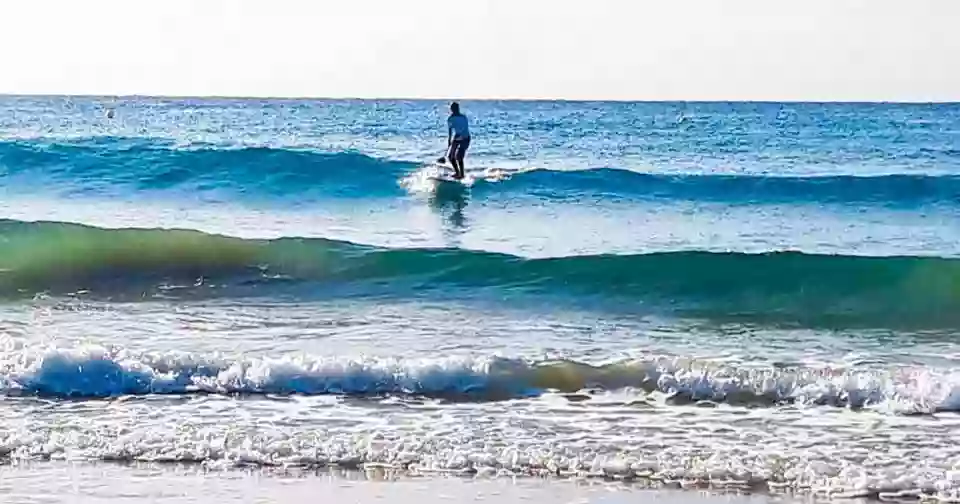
x=177 y=484
x=450 y=201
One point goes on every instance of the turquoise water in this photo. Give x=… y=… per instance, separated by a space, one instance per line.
x=765 y=295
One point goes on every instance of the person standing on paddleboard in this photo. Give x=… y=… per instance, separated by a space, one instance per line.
x=458 y=139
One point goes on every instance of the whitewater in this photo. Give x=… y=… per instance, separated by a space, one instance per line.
x=754 y=296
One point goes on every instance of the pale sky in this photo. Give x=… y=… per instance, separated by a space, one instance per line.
x=861 y=50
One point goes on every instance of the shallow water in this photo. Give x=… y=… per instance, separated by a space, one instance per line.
x=94 y=483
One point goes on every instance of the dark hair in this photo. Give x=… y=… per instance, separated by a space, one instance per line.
x=455 y=108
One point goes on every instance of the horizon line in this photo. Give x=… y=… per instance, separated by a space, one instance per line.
x=485 y=99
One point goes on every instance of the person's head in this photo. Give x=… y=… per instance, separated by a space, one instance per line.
x=455 y=108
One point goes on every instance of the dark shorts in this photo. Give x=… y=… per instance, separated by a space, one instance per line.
x=459 y=147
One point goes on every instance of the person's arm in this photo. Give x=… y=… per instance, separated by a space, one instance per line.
x=449 y=132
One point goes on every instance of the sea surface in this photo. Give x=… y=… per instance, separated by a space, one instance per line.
x=761 y=297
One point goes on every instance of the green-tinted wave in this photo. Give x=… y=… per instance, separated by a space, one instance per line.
x=61 y=258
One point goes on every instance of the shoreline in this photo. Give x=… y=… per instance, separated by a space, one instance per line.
x=176 y=483
x=371 y=473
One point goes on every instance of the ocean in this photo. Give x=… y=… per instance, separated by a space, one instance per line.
x=757 y=298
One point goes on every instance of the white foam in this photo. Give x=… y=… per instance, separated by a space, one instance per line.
x=95 y=371
x=423 y=180
x=461 y=449
x=632 y=432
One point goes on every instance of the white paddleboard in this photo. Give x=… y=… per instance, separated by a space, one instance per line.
x=444 y=175
x=445 y=178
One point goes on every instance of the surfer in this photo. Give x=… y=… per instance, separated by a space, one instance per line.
x=458 y=139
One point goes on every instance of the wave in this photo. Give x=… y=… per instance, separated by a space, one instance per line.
x=598 y=421
x=898 y=189
x=59 y=258
x=623 y=420
x=627 y=421
x=117 y=164
x=92 y=371
x=120 y=165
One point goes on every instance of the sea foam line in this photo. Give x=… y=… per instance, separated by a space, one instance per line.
x=94 y=371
